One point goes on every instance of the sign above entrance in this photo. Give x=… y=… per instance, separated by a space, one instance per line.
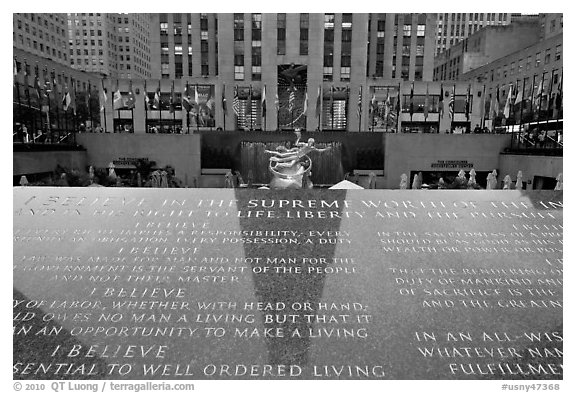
x=452 y=164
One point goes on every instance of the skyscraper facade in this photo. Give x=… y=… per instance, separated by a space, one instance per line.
x=114 y=45
x=451 y=28
x=313 y=68
x=44 y=35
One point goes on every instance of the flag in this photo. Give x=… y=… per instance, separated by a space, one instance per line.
x=387 y=106
x=291 y=99
x=73 y=96
x=104 y=98
x=117 y=102
x=451 y=103
x=172 y=107
x=319 y=101
x=186 y=99
x=263 y=101
x=426 y=103
x=519 y=97
x=558 y=102
x=412 y=101
x=224 y=106
x=373 y=103
x=359 y=110
x=398 y=102
x=441 y=101
x=56 y=90
x=89 y=95
x=39 y=92
x=210 y=103
x=276 y=102
x=508 y=103
x=305 y=110
x=539 y=94
x=196 y=95
x=156 y=104
x=131 y=99
x=66 y=100
x=15 y=69
x=542 y=93
x=236 y=102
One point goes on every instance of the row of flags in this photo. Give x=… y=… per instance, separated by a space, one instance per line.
x=515 y=97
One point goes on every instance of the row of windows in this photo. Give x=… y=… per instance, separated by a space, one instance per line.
x=473 y=16
x=50 y=51
x=42 y=23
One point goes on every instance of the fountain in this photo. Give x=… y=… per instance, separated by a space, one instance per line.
x=327 y=165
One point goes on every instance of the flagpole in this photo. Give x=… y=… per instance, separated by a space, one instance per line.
x=292 y=108
x=482 y=108
x=453 y=99
x=74 y=118
x=90 y=106
x=264 y=126
x=522 y=102
x=197 y=99
x=48 y=114
x=104 y=106
x=321 y=98
x=160 y=105
x=540 y=94
x=173 y=106
x=118 y=110
x=332 y=107
x=58 y=119
x=559 y=101
x=187 y=92
x=548 y=103
x=250 y=102
x=386 y=104
x=145 y=106
x=360 y=110
x=441 y=101
x=399 y=103
x=112 y=105
x=223 y=108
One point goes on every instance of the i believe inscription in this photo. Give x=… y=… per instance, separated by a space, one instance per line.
x=306 y=284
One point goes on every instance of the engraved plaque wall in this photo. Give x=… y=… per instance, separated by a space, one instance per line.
x=251 y=284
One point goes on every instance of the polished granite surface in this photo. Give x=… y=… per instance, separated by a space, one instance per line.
x=302 y=284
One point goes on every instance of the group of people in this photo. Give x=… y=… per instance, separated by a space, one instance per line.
x=540 y=138
x=166 y=130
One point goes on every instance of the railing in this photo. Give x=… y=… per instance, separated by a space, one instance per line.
x=54 y=137
x=545 y=142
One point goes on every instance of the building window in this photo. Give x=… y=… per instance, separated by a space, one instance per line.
x=327 y=74
x=407 y=31
x=164 y=28
x=281 y=34
x=345 y=74
x=421 y=32
x=328 y=21
x=547 y=56
x=558 y=52
x=256 y=73
x=238 y=27
x=238 y=73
